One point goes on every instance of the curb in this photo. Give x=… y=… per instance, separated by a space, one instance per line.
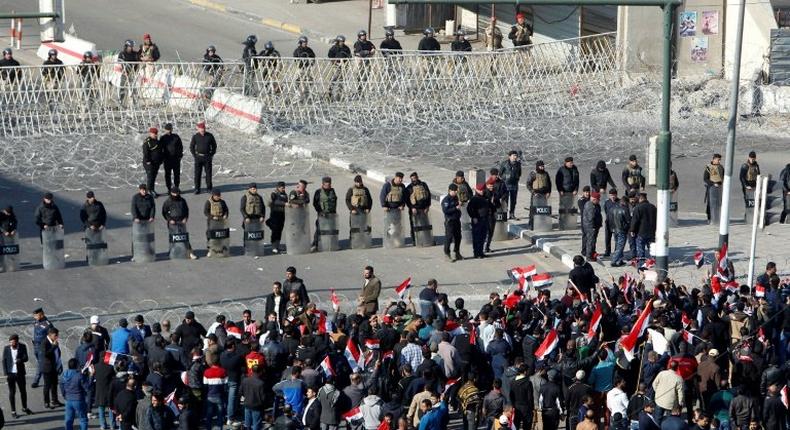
x=268 y=22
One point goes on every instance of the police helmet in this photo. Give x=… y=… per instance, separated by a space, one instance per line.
x=361 y=33
x=269 y=45
x=302 y=39
x=389 y=33
x=460 y=32
x=129 y=43
x=252 y=39
x=7 y=51
x=428 y=31
x=340 y=38
x=87 y=54
x=52 y=53
x=211 y=48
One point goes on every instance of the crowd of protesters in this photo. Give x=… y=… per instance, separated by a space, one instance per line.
x=609 y=353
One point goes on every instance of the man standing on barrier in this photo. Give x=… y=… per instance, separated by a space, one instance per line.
x=149 y=52
x=48 y=214
x=339 y=53
x=451 y=207
x=750 y=170
x=363 y=48
x=173 y=151
x=480 y=210
x=713 y=178
x=418 y=199
x=93 y=215
x=538 y=184
x=41 y=326
x=176 y=213
x=128 y=58
x=153 y=156
x=203 y=147
x=511 y=173
x=325 y=204
x=632 y=175
x=521 y=32
x=276 y=220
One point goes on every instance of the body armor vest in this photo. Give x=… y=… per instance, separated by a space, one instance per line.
x=713 y=173
x=216 y=208
x=633 y=176
x=254 y=204
x=359 y=198
x=541 y=181
x=418 y=193
x=396 y=194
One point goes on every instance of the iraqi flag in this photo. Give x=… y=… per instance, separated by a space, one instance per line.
x=685 y=320
x=699 y=259
x=542 y=280
x=595 y=321
x=88 y=362
x=353 y=415
x=388 y=355
x=521 y=273
x=353 y=355
x=449 y=383
x=648 y=264
x=402 y=289
x=472 y=335
x=722 y=267
x=687 y=337
x=234 y=331
x=324 y=325
x=759 y=290
x=629 y=343
x=548 y=345
x=334 y=299
x=326 y=367
x=785 y=394
x=511 y=301
x=110 y=358
x=372 y=343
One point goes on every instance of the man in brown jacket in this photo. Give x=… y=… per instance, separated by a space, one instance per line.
x=369 y=299
x=709 y=377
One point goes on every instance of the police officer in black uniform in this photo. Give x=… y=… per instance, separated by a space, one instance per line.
x=153 y=156
x=93 y=215
x=203 y=147
x=389 y=42
x=461 y=43
x=451 y=207
x=608 y=209
x=174 y=151
x=480 y=210
x=749 y=172
x=713 y=177
x=429 y=42
x=276 y=221
x=175 y=211
x=632 y=175
x=418 y=199
x=538 y=183
x=324 y=203
x=9 y=71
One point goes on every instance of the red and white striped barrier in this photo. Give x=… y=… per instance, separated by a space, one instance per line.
x=16 y=33
x=235 y=111
x=70 y=51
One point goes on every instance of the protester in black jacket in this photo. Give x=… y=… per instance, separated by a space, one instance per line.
x=583 y=276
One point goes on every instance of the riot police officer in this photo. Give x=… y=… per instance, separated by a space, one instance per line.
x=324 y=203
x=358 y=198
x=128 y=57
x=173 y=150
x=713 y=178
x=363 y=48
x=538 y=183
x=418 y=199
x=429 y=42
x=175 y=211
x=276 y=220
x=389 y=43
x=153 y=156
x=632 y=175
x=212 y=63
x=461 y=42
x=9 y=71
x=750 y=170
x=339 y=53
x=248 y=56
x=93 y=215
x=52 y=72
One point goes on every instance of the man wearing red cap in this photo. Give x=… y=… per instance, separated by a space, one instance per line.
x=591 y=223
x=149 y=52
x=479 y=209
x=521 y=32
x=153 y=156
x=203 y=147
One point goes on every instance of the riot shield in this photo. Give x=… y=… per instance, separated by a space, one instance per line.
x=466 y=226
x=297 y=230
x=179 y=241
x=143 y=249
x=96 y=247
x=9 y=252
x=218 y=236
x=423 y=230
x=500 y=227
x=52 y=244
x=714 y=204
x=568 y=213
x=540 y=211
x=673 y=209
x=328 y=233
x=393 y=229
x=253 y=239
x=748 y=202
x=359 y=235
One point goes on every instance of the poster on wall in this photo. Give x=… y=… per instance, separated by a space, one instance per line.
x=688 y=24
x=710 y=22
x=699 y=49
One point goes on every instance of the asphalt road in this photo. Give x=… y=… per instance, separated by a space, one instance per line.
x=181 y=30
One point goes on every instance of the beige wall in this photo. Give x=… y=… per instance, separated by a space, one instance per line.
x=757 y=24
x=700 y=51
x=640 y=30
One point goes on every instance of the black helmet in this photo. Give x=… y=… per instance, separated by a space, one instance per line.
x=52 y=53
x=211 y=48
x=302 y=39
x=340 y=38
x=7 y=51
x=389 y=33
x=460 y=32
x=361 y=33
x=251 y=39
x=269 y=45
x=87 y=54
x=129 y=43
x=428 y=31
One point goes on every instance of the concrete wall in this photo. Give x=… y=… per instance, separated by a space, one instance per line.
x=757 y=24
x=640 y=30
x=700 y=50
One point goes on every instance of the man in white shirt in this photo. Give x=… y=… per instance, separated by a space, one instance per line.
x=14 y=359
x=616 y=399
x=311 y=417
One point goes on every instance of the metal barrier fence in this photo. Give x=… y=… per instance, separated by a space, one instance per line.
x=406 y=87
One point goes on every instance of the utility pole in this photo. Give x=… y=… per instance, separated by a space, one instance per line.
x=724 y=221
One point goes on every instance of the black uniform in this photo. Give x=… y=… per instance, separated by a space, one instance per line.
x=324 y=203
x=608 y=208
x=248 y=53
x=421 y=205
x=276 y=220
x=480 y=210
x=748 y=177
x=390 y=44
x=8 y=222
x=452 y=224
x=93 y=215
x=8 y=70
x=497 y=198
x=600 y=177
x=173 y=152
x=364 y=48
x=47 y=215
x=212 y=64
x=203 y=147
x=305 y=52
x=53 y=72
x=153 y=156
x=175 y=209
x=339 y=51
x=429 y=44
x=567 y=180
x=143 y=207
x=461 y=45
x=551 y=405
